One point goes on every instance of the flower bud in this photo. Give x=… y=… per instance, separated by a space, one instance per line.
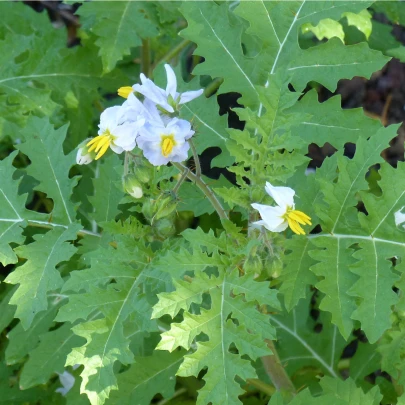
x=165 y=227
x=142 y=173
x=148 y=210
x=132 y=186
x=84 y=157
x=165 y=207
x=253 y=264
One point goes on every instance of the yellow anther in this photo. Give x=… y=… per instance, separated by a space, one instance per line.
x=100 y=144
x=167 y=144
x=295 y=218
x=125 y=91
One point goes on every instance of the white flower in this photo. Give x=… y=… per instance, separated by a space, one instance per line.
x=118 y=130
x=84 y=157
x=399 y=217
x=165 y=142
x=277 y=219
x=168 y=99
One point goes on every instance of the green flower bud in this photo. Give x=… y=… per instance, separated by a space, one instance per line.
x=148 y=210
x=143 y=174
x=132 y=186
x=165 y=207
x=165 y=227
x=253 y=264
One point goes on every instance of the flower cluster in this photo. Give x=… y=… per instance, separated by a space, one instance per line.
x=146 y=119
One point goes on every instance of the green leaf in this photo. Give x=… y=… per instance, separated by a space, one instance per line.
x=209 y=125
x=340 y=197
x=362 y=21
x=38 y=275
x=148 y=377
x=298 y=345
x=218 y=40
x=119 y=26
x=114 y=301
x=296 y=276
x=392 y=351
x=336 y=392
x=335 y=258
x=106 y=195
x=49 y=356
x=329 y=62
x=328 y=122
x=50 y=166
x=277 y=24
x=326 y=28
x=12 y=211
x=22 y=341
x=230 y=297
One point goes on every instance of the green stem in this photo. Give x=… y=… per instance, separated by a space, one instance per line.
x=203 y=186
x=180 y=181
x=263 y=387
x=145 y=57
x=173 y=52
x=196 y=159
x=277 y=373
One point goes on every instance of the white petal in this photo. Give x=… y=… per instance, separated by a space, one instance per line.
x=272 y=217
x=116 y=149
x=179 y=153
x=190 y=95
x=108 y=118
x=152 y=113
x=283 y=196
x=399 y=217
x=171 y=81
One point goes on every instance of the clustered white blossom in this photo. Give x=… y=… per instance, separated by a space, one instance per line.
x=149 y=123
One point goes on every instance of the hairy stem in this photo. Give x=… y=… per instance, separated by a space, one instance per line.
x=173 y=52
x=276 y=372
x=180 y=181
x=196 y=158
x=203 y=186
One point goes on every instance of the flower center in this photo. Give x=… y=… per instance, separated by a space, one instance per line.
x=167 y=143
x=295 y=218
x=101 y=143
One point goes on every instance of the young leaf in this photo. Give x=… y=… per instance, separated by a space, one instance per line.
x=226 y=300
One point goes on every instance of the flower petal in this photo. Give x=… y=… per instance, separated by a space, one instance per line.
x=283 y=196
x=171 y=81
x=190 y=95
x=272 y=217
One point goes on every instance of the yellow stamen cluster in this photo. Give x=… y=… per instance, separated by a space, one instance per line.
x=295 y=218
x=100 y=144
x=125 y=91
x=167 y=144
